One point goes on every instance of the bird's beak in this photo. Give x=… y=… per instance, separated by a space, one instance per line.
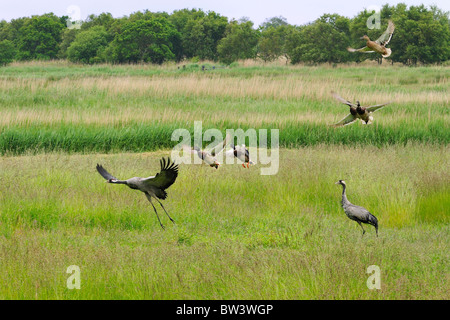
x=337 y=182
x=362 y=38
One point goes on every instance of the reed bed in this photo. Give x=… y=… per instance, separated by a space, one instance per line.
x=115 y=108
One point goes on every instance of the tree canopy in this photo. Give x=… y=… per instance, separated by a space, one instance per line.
x=422 y=35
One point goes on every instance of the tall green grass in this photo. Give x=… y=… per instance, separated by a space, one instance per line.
x=238 y=235
x=154 y=136
x=56 y=106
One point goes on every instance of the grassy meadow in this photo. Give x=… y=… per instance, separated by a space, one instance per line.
x=238 y=234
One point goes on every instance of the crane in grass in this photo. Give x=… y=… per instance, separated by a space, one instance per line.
x=153 y=187
x=357 y=213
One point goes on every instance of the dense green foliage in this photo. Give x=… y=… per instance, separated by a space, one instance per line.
x=200 y=33
x=39 y=37
x=149 y=40
x=88 y=46
x=422 y=36
x=7 y=52
x=239 y=42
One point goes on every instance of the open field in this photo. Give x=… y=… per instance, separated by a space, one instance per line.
x=238 y=234
x=52 y=107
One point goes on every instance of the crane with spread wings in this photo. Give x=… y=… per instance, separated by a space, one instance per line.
x=153 y=186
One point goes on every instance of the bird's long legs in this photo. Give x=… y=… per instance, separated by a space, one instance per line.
x=364 y=231
x=162 y=226
x=165 y=210
x=150 y=199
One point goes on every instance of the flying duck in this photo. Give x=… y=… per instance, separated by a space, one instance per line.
x=209 y=157
x=357 y=111
x=242 y=153
x=378 y=45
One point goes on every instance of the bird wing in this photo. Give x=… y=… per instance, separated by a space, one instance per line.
x=363 y=49
x=105 y=174
x=189 y=149
x=215 y=152
x=208 y=158
x=244 y=151
x=338 y=97
x=229 y=153
x=166 y=177
x=387 y=35
x=376 y=107
x=347 y=120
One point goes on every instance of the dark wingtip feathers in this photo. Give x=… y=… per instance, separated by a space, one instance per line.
x=168 y=165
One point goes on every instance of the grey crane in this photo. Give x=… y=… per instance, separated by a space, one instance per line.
x=357 y=213
x=357 y=111
x=153 y=186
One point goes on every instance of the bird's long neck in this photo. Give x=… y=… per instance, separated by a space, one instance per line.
x=119 y=181
x=344 y=196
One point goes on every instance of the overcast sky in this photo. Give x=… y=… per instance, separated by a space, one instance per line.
x=295 y=11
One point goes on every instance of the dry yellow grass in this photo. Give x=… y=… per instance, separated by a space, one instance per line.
x=290 y=87
x=308 y=98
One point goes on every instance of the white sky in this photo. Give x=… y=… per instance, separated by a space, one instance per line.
x=296 y=12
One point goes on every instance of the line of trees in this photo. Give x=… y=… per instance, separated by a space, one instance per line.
x=422 y=35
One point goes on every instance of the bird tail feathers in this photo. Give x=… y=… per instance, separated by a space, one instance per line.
x=389 y=51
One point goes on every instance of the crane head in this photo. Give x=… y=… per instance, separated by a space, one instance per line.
x=341 y=182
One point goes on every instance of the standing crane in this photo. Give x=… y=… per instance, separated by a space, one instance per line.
x=153 y=187
x=357 y=213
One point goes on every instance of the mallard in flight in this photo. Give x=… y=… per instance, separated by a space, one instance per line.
x=378 y=45
x=209 y=157
x=242 y=153
x=357 y=111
